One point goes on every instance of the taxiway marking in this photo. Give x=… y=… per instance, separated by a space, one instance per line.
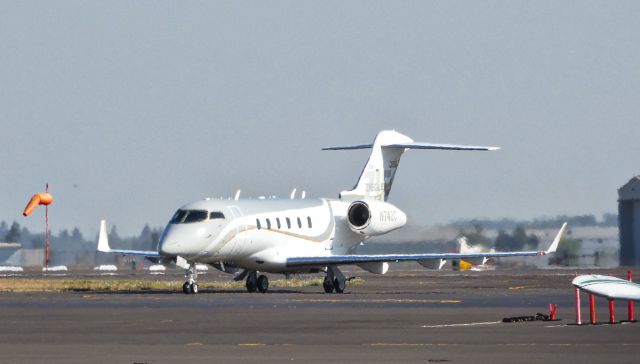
x=459 y=325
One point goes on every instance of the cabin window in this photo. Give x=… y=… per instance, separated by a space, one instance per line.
x=258 y=224
x=299 y=223
x=195 y=216
x=309 y=221
x=268 y=224
x=216 y=215
x=278 y=222
x=288 y=223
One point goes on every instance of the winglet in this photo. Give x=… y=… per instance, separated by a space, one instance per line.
x=554 y=245
x=103 y=239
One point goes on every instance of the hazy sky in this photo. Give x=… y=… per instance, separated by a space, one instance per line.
x=131 y=109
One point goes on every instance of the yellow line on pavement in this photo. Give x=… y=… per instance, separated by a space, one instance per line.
x=517 y=288
x=387 y=300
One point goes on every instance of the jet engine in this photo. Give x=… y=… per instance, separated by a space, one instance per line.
x=374 y=217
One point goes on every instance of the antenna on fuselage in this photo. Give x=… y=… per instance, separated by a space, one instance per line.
x=237 y=196
x=293 y=194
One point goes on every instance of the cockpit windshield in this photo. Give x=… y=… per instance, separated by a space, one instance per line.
x=189 y=216
x=178 y=217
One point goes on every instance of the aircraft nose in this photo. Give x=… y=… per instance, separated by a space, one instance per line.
x=167 y=248
x=168 y=244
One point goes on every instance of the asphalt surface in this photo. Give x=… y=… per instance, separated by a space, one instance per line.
x=406 y=316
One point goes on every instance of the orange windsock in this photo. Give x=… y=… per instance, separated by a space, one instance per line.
x=37 y=199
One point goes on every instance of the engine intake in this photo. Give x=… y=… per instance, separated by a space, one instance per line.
x=374 y=217
x=359 y=215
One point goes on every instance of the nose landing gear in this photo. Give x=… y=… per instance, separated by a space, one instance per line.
x=191 y=277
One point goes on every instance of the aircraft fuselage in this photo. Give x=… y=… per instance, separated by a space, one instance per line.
x=259 y=234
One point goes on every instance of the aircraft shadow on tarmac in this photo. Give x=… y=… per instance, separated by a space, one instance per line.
x=202 y=291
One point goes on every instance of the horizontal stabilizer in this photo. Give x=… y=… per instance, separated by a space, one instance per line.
x=416 y=145
x=361 y=146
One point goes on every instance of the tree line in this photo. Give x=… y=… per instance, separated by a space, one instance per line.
x=70 y=247
x=607 y=220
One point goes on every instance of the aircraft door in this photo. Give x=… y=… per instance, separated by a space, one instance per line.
x=236 y=214
x=329 y=242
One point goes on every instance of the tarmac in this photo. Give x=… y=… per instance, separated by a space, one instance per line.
x=409 y=315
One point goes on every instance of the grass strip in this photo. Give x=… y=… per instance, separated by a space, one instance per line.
x=114 y=285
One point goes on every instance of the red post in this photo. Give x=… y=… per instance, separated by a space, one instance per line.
x=46 y=231
x=612 y=318
x=578 y=320
x=552 y=311
x=630 y=310
x=592 y=308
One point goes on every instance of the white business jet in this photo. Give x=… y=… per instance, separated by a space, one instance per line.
x=247 y=236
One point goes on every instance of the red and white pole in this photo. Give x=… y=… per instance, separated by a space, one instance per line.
x=630 y=313
x=46 y=231
x=592 y=309
x=553 y=308
x=578 y=320
x=612 y=317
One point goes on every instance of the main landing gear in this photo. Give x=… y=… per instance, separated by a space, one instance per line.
x=191 y=277
x=334 y=280
x=257 y=283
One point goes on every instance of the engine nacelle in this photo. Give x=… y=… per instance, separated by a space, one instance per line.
x=373 y=217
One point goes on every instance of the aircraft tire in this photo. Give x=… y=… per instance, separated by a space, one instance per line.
x=339 y=285
x=263 y=284
x=252 y=283
x=185 y=288
x=193 y=288
x=327 y=284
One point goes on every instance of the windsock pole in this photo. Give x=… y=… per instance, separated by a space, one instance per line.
x=46 y=231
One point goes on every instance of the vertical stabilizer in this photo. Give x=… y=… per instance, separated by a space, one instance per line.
x=377 y=176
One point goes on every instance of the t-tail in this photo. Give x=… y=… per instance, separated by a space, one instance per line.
x=377 y=176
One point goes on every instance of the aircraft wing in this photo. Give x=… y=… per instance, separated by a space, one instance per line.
x=103 y=245
x=359 y=259
x=611 y=288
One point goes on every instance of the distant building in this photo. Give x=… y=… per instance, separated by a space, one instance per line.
x=629 y=222
x=10 y=254
x=32 y=257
